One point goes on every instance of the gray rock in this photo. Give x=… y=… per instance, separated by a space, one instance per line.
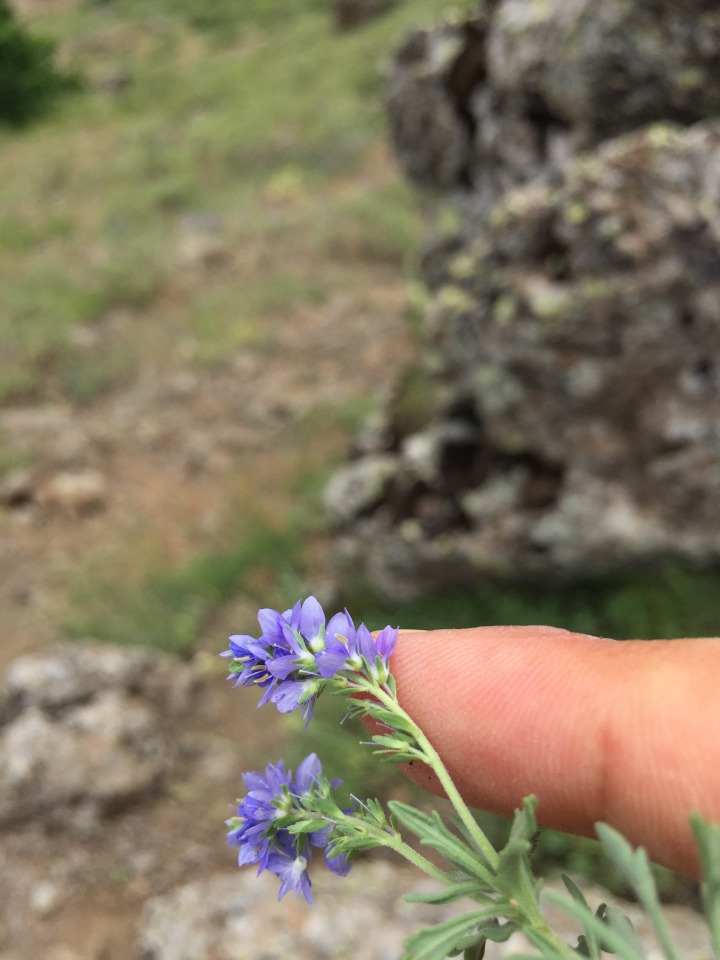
x=507 y=96
x=359 y=487
x=106 y=753
x=237 y=915
x=573 y=322
x=74 y=492
x=85 y=731
x=363 y=916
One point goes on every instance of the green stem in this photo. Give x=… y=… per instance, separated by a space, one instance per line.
x=433 y=760
x=395 y=842
x=527 y=911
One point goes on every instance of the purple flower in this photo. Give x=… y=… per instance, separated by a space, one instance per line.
x=298 y=653
x=356 y=650
x=275 y=796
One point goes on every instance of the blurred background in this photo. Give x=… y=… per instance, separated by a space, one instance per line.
x=411 y=307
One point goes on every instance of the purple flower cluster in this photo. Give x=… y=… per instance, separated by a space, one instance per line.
x=274 y=796
x=298 y=652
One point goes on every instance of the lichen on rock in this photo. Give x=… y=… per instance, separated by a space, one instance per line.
x=572 y=327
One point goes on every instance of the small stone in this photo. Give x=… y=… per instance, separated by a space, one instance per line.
x=45 y=898
x=360 y=486
x=18 y=488
x=74 y=493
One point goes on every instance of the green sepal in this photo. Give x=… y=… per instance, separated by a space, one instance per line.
x=392 y=743
x=399 y=724
x=435 y=943
x=707 y=837
x=392 y=756
x=375 y=808
x=431 y=831
x=635 y=867
x=352 y=843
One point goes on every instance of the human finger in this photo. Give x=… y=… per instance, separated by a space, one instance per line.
x=626 y=733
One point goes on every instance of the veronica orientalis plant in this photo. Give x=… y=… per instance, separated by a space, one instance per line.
x=285 y=818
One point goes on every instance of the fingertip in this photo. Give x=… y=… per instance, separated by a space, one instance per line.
x=598 y=730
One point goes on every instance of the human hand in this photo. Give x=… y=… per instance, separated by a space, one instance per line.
x=626 y=733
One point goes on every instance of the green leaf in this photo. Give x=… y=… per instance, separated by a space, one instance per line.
x=515 y=877
x=613 y=936
x=492 y=929
x=524 y=825
x=635 y=866
x=454 y=892
x=431 y=831
x=476 y=952
x=707 y=837
x=587 y=945
x=544 y=954
x=435 y=943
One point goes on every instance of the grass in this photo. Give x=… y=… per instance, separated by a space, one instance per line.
x=221 y=108
x=665 y=603
x=171 y=608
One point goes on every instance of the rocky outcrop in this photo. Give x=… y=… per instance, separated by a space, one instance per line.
x=566 y=417
x=83 y=731
x=509 y=95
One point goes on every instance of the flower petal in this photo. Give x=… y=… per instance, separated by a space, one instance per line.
x=385 y=642
x=312 y=618
x=308 y=772
x=339 y=865
x=268 y=620
x=329 y=664
x=282 y=667
x=339 y=626
x=286 y=696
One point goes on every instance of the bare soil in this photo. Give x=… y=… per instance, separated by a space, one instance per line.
x=183 y=453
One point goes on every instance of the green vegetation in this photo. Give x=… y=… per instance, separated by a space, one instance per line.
x=255 y=115
x=205 y=130
x=170 y=609
x=29 y=82
x=658 y=604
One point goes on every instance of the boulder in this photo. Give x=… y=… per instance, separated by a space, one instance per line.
x=572 y=325
x=83 y=731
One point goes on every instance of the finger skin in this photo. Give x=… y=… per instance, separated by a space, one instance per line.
x=626 y=733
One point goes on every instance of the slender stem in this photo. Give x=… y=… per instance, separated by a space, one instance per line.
x=395 y=842
x=528 y=910
x=433 y=760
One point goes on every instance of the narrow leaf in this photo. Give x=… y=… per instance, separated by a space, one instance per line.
x=455 y=892
x=498 y=932
x=587 y=945
x=431 y=831
x=435 y=943
x=707 y=837
x=610 y=938
x=476 y=952
x=634 y=864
